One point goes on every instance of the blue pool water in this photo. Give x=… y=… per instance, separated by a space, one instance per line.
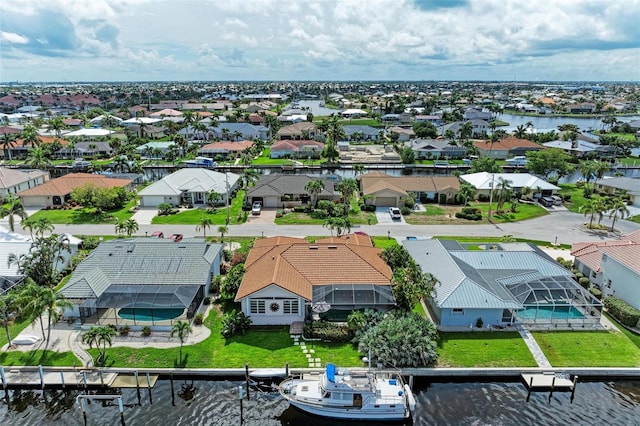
x=148 y=314
x=549 y=313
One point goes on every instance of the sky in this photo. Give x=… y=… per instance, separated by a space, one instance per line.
x=303 y=40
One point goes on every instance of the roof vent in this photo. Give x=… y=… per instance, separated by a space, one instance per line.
x=332 y=247
x=313 y=247
x=130 y=248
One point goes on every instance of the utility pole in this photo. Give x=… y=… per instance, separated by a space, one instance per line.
x=490 y=196
x=226 y=178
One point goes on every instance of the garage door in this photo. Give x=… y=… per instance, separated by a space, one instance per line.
x=385 y=201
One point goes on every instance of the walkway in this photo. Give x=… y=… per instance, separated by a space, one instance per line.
x=78 y=351
x=533 y=346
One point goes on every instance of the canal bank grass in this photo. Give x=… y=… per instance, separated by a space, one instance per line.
x=483 y=349
x=39 y=357
x=588 y=349
x=258 y=348
x=85 y=216
x=193 y=216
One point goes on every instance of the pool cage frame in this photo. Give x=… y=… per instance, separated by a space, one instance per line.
x=104 y=309
x=344 y=298
x=562 y=294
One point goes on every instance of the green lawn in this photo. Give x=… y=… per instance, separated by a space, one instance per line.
x=192 y=216
x=263 y=348
x=483 y=349
x=39 y=357
x=384 y=242
x=264 y=159
x=85 y=216
x=524 y=212
x=497 y=240
x=635 y=338
x=588 y=349
x=577 y=199
x=356 y=216
x=635 y=219
x=433 y=210
x=14 y=330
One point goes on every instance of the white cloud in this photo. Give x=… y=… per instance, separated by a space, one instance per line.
x=13 y=38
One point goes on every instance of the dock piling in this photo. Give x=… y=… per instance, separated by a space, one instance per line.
x=135 y=373
x=173 y=395
x=101 y=378
x=553 y=385
x=286 y=370
x=84 y=380
x=41 y=373
x=3 y=378
x=62 y=379
x=246 y=378
x=149 y=388
x=240 y=398
x=529 y=388
x=573 y=389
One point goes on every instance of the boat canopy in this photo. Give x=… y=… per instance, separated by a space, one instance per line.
x=331 y=373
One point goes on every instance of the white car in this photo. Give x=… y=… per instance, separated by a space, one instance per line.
x=395 y=213
x=256 y=208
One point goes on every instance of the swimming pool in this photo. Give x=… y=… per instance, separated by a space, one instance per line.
x=549 y=313
x=149 y=314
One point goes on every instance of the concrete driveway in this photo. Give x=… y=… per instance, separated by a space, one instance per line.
x=384 y=218
x=266 y=216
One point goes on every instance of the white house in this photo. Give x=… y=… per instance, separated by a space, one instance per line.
x=484 y=181
x=614 y=266
x=13 y=181
x=190 y=186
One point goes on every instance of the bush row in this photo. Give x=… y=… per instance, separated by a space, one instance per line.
x=469 y=213
x=327 y=331
x=622 y=311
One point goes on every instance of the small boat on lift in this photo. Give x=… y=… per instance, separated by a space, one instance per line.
x=352 y=395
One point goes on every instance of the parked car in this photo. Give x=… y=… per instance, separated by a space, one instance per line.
x=546 y=201
x=176 y=237
x=256 y=208
x=517 y=161
x=395 y=213
x=556 y=200
x=157 y=234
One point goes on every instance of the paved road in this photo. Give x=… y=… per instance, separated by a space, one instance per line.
x=566 y=226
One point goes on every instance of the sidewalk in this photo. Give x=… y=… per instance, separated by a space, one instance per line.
x=533 y=346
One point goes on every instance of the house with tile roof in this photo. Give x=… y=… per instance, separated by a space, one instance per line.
x=277 y=190
x=506 y=147
x=225 y=149
x=296 y=148
x=285 y=277
x=57 y=192
x=154 y=280
x=436 y=148
x=302 y=130
x=501 y=284
x=390 y=191
x=189 y=186
x=13 y=181
x=612 y=265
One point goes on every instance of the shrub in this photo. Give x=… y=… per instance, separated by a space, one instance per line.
x=328 y=331
x=146 y=331
x=235 y=322
x=206 y=301
x=469 y=213
x=198 y=319
x=405 y=211
x=595 y=292
x=584 y=282
x=479 y=323
x=300 y=209
x=622 y=311
x=215 y=284
x=124 y=330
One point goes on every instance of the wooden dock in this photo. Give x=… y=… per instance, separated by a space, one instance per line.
x=43 y=377
x=549 y=381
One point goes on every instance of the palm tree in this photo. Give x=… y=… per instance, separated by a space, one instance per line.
x=203 y=224
x=465 y=193
x=7 y=306
x=618 y=209
x=182 y=329
x=347 y=187
x=213 y=198
x=358 y=169
x=314 y=188
x=250 y=177
x=504 y=187
x=30 y=136
x=56 y=125
x=222 y=230
x=37 y=158
x=38 y=226
x=587 y=170
x=38 y=300
x=101 y=336
x=12 y=207
x=593 y=206
x=8 y=143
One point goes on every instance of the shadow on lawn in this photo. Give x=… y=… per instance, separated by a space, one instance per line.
x=37 y=357
x=477 y=335
x=269 y=339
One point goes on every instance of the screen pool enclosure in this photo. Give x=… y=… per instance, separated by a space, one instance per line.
x=143 y=305
x=557 y=299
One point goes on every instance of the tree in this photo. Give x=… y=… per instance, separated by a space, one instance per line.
x=101 y=336
x=347 y=187
x=593 y=206
x=504 y=186
x=407 y=155
x=410 y=285
x=549 y=161
x=401 y=340
x=7 y=307
x=314 y=188
x=465 y=193
x=203 y=224
x=485 y=164
x=358 y=169
x=213 y=198
x=56 y=125
x=587 y=171
x=38 y=226
x=250 y=177
x=37 y=158
x=128 y=227
x=425 y=130
x=30 y=136
x=618 y=209
x=8 y=143
x=338 y=224
x=222 y=230
x=182 y=329
x=42 y=262
x=12 y=207
x=38 y=300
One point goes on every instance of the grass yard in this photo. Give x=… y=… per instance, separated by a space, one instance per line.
x=356 y=217
x=444 y=214
x=192 y=216
x=14 y=330
x=384 y=242
x=524 y=212
x=483 y=349
x=577 y=198
x=264 y=159
x=258 y=348
x=85 y=216
x=635 y=338
x=635 y=219
x=588 y=349
x=39 y=357
x=497 y=240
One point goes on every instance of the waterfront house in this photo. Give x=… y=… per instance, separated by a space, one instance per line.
x=630 y=186
x=278 y=190
x=390 y=191
x=285 y=277
x=189 y=186
x=226 y=150
x=580 y=148
x=613 y=266
x=295 y=148
x=506 y=147
x=142 y=281
x=360 y=133
x=57 y=192
x=436 y=149
x=302 y=130
x=500 y=284
x=13 y=181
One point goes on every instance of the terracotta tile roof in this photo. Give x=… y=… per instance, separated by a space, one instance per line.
x=45 y=140
x=377 y=181
x=67 y=183
x=9 y=130
x=506 y=144
x=295 y=145
x=228 y=146
x=297 y=265
x=626 y=251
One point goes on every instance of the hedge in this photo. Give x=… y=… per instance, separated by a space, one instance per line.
x=622 y=311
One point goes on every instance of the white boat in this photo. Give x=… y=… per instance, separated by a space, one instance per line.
x=25 y=339
x=357 y=395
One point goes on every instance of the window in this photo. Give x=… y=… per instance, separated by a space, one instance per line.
x=290 y=306
x=593 y=274
x=257 y=306
x=458 y=311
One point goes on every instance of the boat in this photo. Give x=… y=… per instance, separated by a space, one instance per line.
x=352 y=395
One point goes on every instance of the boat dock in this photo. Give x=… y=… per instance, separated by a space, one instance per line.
x=549 y=381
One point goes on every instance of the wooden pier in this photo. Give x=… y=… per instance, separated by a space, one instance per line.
x=549 y=381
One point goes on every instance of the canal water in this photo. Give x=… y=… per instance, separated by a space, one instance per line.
x=216 y=403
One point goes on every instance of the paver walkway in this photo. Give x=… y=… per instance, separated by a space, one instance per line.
x=533 y=346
